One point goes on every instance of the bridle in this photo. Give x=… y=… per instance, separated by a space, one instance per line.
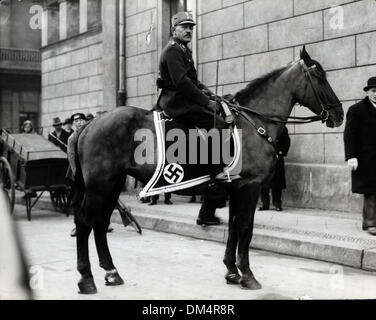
x=325 y=106
x=237 y=109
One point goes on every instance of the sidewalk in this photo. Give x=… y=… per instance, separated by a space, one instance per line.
x=316 y=234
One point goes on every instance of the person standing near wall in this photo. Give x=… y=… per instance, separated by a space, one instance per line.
x=278 y=182
x=27 y=127
x=360 y=152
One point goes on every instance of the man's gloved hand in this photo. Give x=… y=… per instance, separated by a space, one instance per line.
x=213 y=106
x=353 y=163
x=208 y=92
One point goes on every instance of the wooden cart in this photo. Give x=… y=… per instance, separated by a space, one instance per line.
x=32 y=164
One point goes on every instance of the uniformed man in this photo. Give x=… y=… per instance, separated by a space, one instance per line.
x=183 y=97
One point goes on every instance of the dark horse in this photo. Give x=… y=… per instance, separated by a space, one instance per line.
x=106 y=155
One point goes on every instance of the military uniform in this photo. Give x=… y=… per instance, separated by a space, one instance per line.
x=182 y=97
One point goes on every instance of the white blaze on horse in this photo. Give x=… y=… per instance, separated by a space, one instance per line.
x=106 y=155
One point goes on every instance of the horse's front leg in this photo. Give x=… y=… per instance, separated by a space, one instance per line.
x=248 y=197
x=232 y=276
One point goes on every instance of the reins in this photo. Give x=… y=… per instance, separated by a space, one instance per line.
x=323 y=116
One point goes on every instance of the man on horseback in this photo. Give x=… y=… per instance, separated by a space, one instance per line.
x=183 y=97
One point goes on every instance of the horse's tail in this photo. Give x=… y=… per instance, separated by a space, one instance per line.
x=79 y=192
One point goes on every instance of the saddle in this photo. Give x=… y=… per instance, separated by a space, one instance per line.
x=184 y=157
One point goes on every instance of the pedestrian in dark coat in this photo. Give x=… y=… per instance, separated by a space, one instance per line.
x=59 y=136
x=278 y=182
x=360 y=152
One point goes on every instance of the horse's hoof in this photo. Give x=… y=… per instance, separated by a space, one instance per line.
x=113 y=279
x=87 y=286
x=232 y=278
x=250 y=284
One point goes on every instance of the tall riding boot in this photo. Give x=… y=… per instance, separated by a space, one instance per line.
x=206 y=215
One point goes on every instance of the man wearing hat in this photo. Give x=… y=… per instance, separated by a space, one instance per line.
x=59 y=137
x=78 y=120
x=76 y=180
x=77 y=184
x=68 y=126
x=183 y=97
x=360 y=152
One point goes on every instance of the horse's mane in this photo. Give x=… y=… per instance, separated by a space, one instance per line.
x=251 y=87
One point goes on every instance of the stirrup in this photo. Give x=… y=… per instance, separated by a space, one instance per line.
x=226 y=176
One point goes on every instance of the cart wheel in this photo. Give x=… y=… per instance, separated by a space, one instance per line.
x=7 y=181
x=127 y=217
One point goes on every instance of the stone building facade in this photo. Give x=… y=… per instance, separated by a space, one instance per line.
x=20 y=63
x=247 y=39
x=72 y=59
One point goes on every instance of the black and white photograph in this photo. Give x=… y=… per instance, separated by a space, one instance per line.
x=188 y=155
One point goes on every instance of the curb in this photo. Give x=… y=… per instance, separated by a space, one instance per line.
x=303 y=246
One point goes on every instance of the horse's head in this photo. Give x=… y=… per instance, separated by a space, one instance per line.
x=316 y=93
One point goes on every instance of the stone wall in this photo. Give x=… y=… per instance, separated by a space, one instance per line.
x=141 y=56
x=20 y=39
x=72 y=77
x=250 y=38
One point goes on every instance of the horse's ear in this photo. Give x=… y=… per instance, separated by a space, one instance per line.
x=304 y=55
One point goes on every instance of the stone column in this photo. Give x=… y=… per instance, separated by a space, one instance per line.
x=16 y=109
x=110 y=53
x=73 y=17
x=63 y=11
x=53 y=23
x=69 y=18
x=95 y=12
x=5 y=25
x=44 y=27
x=83 y=16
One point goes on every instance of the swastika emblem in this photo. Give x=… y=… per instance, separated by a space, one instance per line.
x=173 y=173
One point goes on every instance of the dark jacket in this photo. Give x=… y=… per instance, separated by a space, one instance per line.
x=61 y=142
x=181 y=91
x=360 y=142
x=283 y=145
